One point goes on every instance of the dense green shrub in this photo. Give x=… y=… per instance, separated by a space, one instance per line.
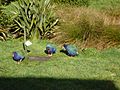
x=6 y=2
x=4 y=21
x=33 y=17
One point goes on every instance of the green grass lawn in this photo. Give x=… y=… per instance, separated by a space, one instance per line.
x=90 y=70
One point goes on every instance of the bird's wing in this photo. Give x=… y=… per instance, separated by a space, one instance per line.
x=20 y=56
x=53 y=50
x=50 y=46
x=71 y=48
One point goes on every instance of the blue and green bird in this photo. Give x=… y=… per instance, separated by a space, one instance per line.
x=50 y=49
x=17 y=57
x=71 y=50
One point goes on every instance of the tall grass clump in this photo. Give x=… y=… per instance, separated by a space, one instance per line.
x=111 y=7
x=112 y=33
x=88 y=28
x=73 y=2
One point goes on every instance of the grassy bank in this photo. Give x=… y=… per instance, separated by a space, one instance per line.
x=92 y=69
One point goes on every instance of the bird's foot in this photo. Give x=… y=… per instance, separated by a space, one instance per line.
x=72 y=56
x=49 y=55
x=18 y=62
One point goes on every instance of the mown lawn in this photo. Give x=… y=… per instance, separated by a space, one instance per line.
x=91 y=70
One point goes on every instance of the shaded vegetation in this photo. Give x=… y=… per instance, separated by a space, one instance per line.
x=6 y=2
x=54 y=84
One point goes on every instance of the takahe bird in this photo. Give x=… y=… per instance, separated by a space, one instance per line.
x=70 y=50
x=50 y=49
x=17 y=57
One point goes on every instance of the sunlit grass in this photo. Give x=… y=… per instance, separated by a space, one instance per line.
x=90 y=64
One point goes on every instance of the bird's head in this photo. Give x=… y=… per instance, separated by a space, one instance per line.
x=48 y=50
x=64 y=45
x=14 y=53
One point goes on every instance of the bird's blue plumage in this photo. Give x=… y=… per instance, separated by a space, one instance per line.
x=50 y=49
x=17 y=56
x=71 y=50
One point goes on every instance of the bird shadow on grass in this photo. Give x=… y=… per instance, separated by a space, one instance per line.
x=45 y=51
x=64 y=51
x=31 y=83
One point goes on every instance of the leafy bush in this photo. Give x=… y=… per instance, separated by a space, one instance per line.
x=3 y=34
x=6 y=2
x=4 y=21
x=33 y=17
